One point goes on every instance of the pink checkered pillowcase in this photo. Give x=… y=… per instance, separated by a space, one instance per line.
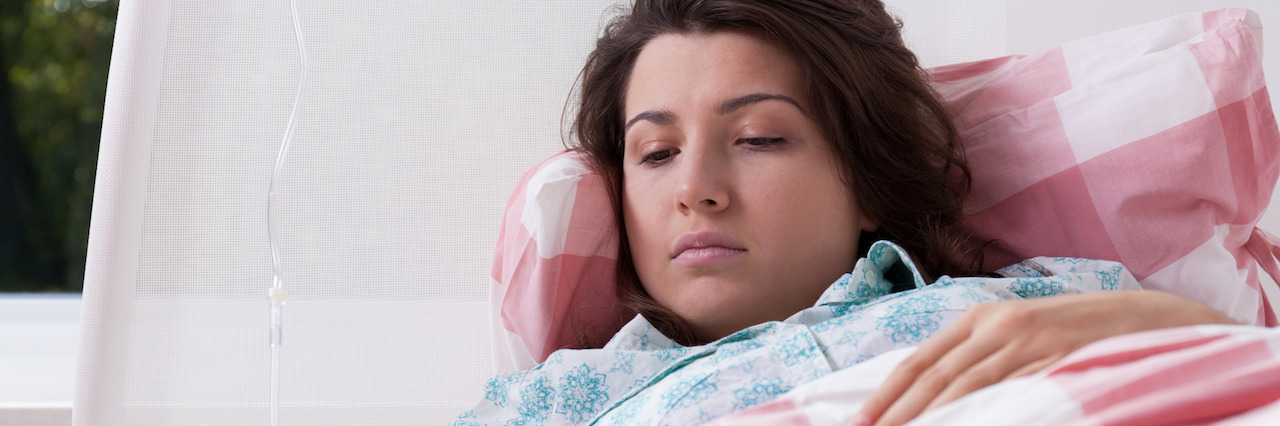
x=1154 y=146
x=553 y=270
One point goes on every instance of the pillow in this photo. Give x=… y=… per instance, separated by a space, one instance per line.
x=551 y=286
x=1154 y=146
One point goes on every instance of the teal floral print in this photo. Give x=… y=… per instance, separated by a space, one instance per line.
x=644 y=378
x=582 y=394
x=913 y=319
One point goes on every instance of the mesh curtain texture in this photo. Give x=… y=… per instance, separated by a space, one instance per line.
x=417 y=121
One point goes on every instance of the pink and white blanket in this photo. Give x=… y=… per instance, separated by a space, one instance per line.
x=1191 y=375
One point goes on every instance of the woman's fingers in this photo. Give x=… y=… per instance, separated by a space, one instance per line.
x=906 y=373
x=996 y=368
x=953 y=368
x=917 y=382
x=1034 y=367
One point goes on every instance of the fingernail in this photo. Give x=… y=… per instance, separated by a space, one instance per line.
x=859 y=420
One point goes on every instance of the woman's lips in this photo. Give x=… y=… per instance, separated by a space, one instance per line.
x=707 y=255
x=705 y=248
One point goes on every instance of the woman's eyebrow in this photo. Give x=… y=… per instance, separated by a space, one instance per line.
x=657 y=117
x=663 y=117
x=732 y=105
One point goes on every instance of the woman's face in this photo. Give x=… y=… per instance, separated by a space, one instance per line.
x=733 y=202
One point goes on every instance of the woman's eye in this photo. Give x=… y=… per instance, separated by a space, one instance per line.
x=657 y=157
x=762 y=142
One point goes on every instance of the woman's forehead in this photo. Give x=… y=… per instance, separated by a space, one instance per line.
x=697 y=72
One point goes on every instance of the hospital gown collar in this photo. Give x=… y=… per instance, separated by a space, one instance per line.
x=885 y=265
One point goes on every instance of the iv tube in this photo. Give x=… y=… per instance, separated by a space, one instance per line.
x=276 y=293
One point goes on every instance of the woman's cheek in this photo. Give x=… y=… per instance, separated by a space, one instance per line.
x=643 y=219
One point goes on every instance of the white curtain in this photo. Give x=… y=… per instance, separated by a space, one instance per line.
x=417 y=120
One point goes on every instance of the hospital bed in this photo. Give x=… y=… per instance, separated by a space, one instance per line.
x=411 y=127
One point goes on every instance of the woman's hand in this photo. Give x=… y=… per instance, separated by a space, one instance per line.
x=998 y=341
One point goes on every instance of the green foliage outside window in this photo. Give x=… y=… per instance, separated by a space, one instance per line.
x=54 y=57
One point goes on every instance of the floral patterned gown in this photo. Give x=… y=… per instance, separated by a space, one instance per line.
x=641 y=377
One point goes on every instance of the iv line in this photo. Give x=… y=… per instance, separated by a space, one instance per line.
x=277 y=293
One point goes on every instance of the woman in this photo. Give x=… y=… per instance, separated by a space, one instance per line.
x=756 y=150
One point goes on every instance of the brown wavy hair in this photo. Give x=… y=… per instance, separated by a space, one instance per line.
x=898 y=150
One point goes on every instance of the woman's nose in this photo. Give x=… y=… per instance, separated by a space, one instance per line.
x=703 y=185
